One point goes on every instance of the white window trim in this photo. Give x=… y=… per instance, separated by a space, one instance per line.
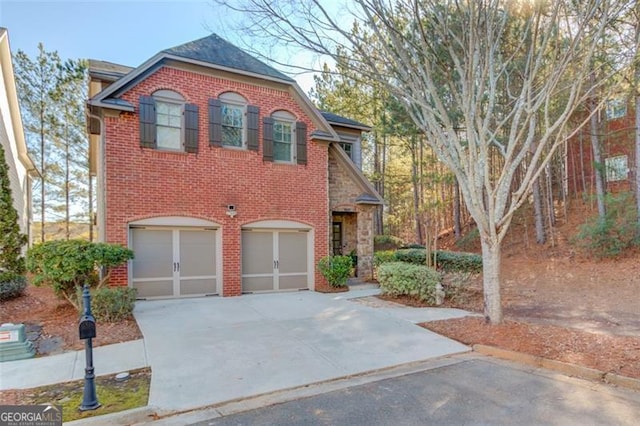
x=174 y=98
x=285 y=117
x=615 y=105
x=236 y=100
x=617 y=168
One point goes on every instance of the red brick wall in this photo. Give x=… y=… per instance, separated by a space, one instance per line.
x=617 y=137
x=143 y=183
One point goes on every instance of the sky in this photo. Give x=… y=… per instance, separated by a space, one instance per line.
x=125 y=32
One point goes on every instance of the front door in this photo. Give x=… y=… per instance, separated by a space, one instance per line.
x=336 y=238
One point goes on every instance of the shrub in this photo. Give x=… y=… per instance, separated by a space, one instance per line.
x=336 y=269
x=413 y=246
x=417 y=256
x=616 y=232
x=12 y=285
x=11 y=239
x=405 y=279
x=66 y=265
x=113 y=304
x=386 y=242
x=453 y=261
x=384 y=256
x=446 y=260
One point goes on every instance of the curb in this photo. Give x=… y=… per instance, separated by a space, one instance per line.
x=160 y=417
x=565 y=368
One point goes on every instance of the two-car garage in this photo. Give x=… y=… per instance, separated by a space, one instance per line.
x=179 y=257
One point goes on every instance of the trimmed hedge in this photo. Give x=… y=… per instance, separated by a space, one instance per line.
x=12 y=285
x=406 y=279
x=448 y=261
x=113 y=304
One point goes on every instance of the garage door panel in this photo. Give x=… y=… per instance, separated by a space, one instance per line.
x=292 y=249
x=292 y=282
x=257 y=252
x=154 y=288
x=173 y=262
x=197 y=286
x=153 y=253
x=250 y=284
x=274 y=260
x=197 y=253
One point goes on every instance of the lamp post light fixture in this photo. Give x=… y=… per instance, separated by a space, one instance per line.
x=87 y=331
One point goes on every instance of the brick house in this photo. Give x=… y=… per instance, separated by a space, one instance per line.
x=222 y=176
x=617 y=132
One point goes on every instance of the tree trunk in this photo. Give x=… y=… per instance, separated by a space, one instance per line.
x=637 y=106
x=491 y=279
x=581 y=162
x=637 y=84
x=638 y=148
x=537 y=209
x=416 y=193
x=457 y=226
x=67 y=186
x=598 y=166
x=43 y=174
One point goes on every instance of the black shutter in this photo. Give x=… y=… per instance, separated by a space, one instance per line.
x=252 y=127
x=215 y=122
x=301 y=142
x=147 y=122
x=267 y=139
x=191 y=128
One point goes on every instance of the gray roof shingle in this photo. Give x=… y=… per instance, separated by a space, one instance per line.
x=216 y=50
x=338 y=119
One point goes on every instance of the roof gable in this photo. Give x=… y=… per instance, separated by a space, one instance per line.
x=213 y=49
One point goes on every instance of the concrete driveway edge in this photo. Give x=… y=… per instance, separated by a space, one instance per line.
x=149 y=414
x=572 y=370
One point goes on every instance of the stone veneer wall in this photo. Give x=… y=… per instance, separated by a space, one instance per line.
x=342 y=198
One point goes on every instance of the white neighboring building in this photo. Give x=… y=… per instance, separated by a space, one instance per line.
x=21 y=168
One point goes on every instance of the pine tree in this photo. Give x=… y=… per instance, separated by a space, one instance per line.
x=11 y=239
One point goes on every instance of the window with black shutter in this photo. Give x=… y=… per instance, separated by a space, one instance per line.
x=215 y=122
x=191 y=128
x=147 y=122
x=301 y=142
x=252 y=127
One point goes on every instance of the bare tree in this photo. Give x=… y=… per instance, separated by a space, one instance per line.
x=440 y=57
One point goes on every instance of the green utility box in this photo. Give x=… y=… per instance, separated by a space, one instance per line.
x=14 y=344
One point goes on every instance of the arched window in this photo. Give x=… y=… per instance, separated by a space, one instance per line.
x=169 y=123
x=233 y=120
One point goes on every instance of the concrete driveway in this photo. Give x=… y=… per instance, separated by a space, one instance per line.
x=208 y=350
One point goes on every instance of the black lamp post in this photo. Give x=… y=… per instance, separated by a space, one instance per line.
x=87 y=330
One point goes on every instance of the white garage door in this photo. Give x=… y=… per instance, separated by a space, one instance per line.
x=173 y=262
x=274 y=260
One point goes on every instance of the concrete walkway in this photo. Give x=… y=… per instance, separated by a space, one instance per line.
x=204 y=351
x=33 y=372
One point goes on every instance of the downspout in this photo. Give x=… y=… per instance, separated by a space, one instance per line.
x=100 y=183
